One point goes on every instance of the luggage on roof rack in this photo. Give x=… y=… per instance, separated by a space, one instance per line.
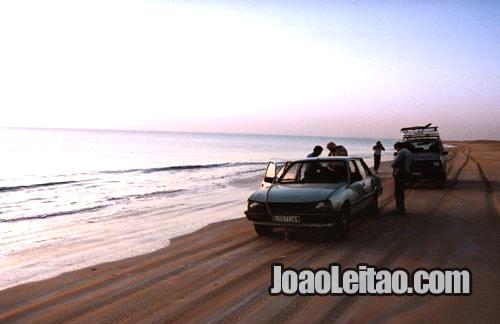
x=426 y=131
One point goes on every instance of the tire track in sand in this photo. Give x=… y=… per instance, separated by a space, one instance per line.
x=489 y=191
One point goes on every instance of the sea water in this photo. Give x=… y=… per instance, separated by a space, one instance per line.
x=59 y=173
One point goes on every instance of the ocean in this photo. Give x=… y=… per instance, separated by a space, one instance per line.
x=73 y=198
x=57 y=173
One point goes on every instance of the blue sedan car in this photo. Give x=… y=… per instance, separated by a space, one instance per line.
x=314 y=192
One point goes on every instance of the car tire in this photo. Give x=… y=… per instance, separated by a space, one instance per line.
x=440 y=181
x=373 y=208
x=263 y=230
x=341 y=228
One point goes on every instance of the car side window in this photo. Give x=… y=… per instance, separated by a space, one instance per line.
x=355 y=176
x=291 y=173
x=280 y=168
x=302 y=175
x=362 y=170
x=367 y=169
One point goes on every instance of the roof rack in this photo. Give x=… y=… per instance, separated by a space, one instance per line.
x=420 y=132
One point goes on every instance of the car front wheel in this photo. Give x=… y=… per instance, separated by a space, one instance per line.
x=263 y=230
x=342 y=223
x=373 y=208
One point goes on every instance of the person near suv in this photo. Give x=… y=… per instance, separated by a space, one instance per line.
x=402 y=168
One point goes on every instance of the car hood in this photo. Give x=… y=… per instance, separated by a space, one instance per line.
x=426 y=156
x=297 y=193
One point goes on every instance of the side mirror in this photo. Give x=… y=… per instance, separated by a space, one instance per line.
x=270 y=175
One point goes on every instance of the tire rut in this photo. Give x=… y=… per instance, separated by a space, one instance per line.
x=489 y=191
x=101 y=283
x=249 y=303
x=72 y=295
x=144 y=285
x=259 y=269
x=452 y=183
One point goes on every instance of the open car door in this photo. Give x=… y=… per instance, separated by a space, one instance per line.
x=270 y=175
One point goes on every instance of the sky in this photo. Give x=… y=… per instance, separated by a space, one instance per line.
x=332 y=68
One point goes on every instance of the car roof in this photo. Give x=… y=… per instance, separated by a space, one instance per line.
x=329 y=158
x=423 y=139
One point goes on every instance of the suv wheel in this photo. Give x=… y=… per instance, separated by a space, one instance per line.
x=440 y=181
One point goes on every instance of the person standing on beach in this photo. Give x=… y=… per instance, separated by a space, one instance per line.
x=336 y=150
x=377 y=154
x=316 y=151
x=401 y=166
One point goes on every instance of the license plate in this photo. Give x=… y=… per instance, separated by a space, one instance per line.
x=286 y=219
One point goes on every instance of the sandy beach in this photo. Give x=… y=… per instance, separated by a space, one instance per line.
x=221 y=273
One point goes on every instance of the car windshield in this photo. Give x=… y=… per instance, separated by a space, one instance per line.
x=425 y=146
x=314 y=172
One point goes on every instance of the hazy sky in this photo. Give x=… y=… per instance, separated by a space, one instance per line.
x=339 y=68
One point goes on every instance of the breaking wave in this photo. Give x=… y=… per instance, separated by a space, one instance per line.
x=148 y=195
x=186 y=167
x=62 y=213
x=36 y=185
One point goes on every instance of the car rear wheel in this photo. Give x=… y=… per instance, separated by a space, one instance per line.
x=263 y=230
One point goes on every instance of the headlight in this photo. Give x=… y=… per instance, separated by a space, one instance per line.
x=322 y=206
x=436 y=163
x=253 y=205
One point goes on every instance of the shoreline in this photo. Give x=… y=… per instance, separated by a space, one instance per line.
x=49 y=248
x=221 y=271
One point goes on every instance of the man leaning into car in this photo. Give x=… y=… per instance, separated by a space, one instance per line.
x=401 y=166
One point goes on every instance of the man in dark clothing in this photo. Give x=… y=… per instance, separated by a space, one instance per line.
x=316 y=151
x=336 y=150
x=401 y=166
x=312 y=167
x=377 y=154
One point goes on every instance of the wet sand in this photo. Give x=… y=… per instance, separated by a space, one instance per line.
x=222 y=272
x=37 y=250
